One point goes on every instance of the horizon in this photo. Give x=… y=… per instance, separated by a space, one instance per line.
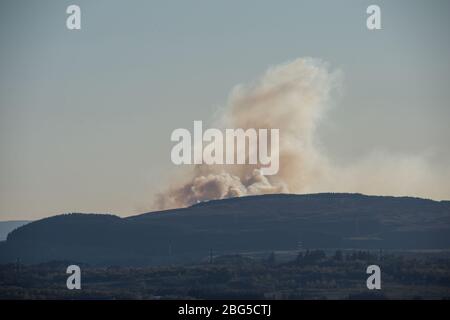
x=227 y=199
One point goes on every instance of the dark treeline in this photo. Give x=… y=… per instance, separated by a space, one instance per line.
x=312 y=274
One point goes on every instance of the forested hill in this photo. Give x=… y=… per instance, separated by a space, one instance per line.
x=8 y=226
x=255 y=223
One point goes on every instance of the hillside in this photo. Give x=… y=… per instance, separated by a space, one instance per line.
x=8 y=226
x=257 y=223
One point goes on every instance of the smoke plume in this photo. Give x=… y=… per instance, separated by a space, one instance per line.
x=291 y=97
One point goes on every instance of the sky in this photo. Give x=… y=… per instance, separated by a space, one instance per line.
x=86 y=115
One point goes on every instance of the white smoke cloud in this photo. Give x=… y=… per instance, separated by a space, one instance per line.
x=293 y=97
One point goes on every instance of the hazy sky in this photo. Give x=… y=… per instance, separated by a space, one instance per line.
x=86 y=116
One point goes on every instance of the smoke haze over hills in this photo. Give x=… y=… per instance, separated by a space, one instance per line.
x=293 y=97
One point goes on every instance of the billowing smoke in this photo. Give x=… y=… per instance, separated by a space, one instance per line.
x=291 y=97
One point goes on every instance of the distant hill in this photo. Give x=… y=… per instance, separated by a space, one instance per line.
x=8 y=226
x=256 y=223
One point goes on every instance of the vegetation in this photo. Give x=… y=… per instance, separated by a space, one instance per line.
x=312 y=274
x=277 y=222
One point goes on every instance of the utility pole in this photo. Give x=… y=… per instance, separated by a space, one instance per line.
x=17 y=270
